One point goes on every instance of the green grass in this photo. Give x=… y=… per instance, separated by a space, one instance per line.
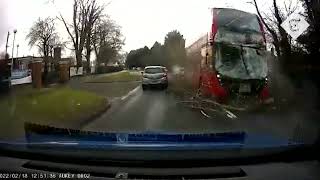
x=61 y=107
x=123 y=76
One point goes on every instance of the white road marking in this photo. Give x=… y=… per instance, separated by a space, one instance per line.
x=130 y=93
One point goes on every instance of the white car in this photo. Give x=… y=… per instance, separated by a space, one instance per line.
x=154 y=76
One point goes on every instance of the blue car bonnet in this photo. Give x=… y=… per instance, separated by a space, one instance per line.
x=51 y=136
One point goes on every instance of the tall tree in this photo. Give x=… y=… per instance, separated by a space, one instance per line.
x=43 y=35
x=138 y=58
x=272 y=22
x=157 y=56
x=95 y=12
x=172 y=53
x=107 y=40
x=131 y=60
x=284 y=37
x=311 y=40
x=85 y=14
x=272 y=31
x=144 y=56
x=174 y=48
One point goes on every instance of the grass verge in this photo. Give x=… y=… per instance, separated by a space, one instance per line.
x=123 y=76
x=62 y=107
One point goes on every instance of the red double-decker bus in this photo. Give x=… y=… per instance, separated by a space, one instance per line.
x=231 y=59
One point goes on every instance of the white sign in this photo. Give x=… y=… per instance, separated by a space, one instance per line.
x=73 y=71
x=295 y=25
x=93 y=69
x=24 y=80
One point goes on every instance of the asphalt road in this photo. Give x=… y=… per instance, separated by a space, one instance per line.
x=159 y=111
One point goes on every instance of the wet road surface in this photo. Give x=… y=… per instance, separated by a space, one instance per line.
x=159 y=111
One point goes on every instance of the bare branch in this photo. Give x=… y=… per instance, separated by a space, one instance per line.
x=277 y=13
x=42 y=35
x=68 y=30
x=289 y=9
x=263 y=21
x=271 y=31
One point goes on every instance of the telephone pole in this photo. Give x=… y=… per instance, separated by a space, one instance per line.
x=14 y=38
x=7 y=42
x=17 y=50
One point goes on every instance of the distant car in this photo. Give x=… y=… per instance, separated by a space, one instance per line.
x=154 y=76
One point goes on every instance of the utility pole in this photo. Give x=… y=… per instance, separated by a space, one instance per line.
x=7 y=42
x=17 y=50
x=14 y=38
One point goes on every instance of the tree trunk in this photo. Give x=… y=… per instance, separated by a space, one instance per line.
x=88 y=54
x=95 y=48
x=314 y=17
x=273 y=33
x=284 y=41
x=78 y=59
x=45 y=69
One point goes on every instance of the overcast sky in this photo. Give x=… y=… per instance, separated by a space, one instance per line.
x=143 y=21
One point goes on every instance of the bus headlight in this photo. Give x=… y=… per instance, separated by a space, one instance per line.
x=219 y=78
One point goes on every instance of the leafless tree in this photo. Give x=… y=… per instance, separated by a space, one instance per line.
x=85 y=14
x=43 y=35
x=272 y=22
x=311 y=40
x=94 y=15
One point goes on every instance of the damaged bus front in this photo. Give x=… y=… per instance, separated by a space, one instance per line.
x=233 y=59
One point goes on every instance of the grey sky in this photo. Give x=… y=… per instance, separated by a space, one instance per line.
x=143 y=21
